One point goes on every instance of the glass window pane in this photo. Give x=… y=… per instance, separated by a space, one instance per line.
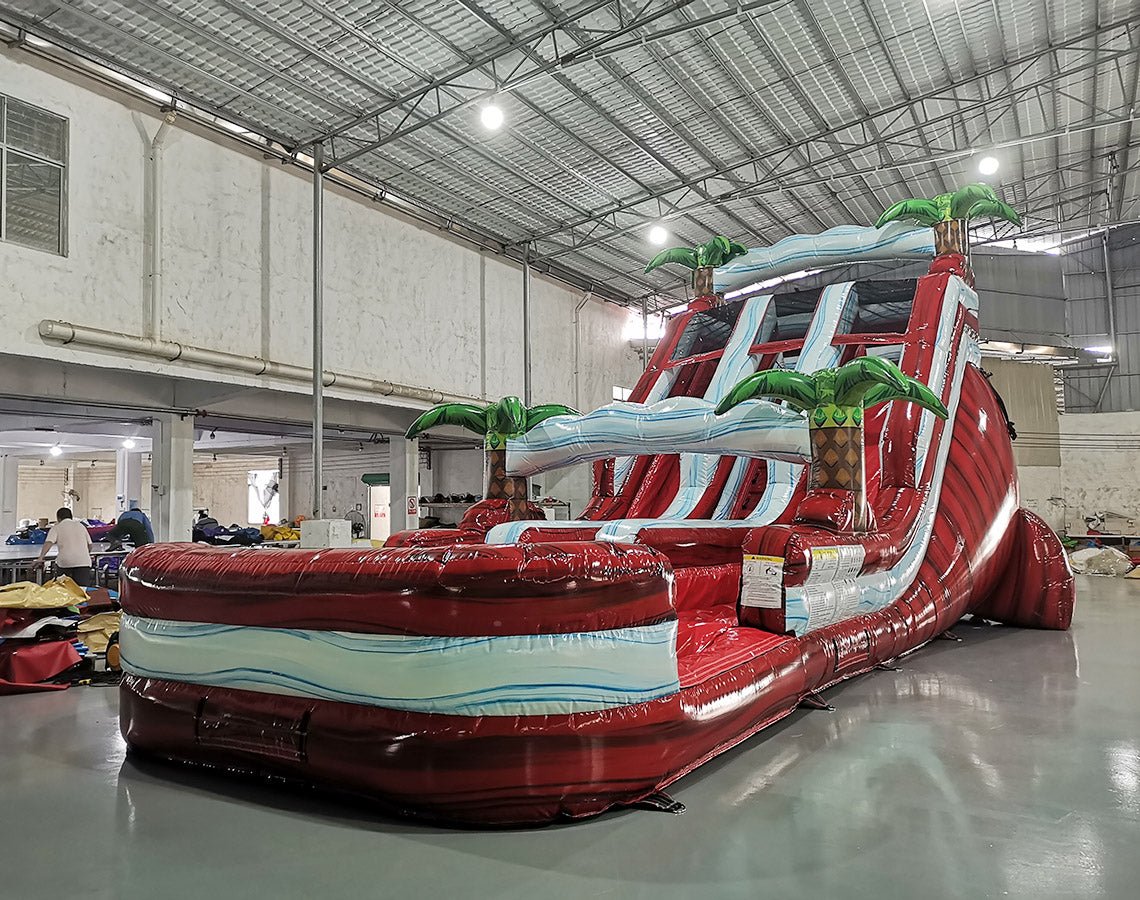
x=36 y=131
x=1 y=120
x=31 y=200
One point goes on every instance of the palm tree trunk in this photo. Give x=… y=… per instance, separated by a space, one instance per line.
x=837 y=456
x=952 y=236
x=703 y=282
x=501 y=486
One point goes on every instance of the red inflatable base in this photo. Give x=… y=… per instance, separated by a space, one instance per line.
x=449 y=769
x=511 y=770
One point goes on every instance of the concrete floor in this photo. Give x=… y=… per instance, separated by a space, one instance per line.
x=1006 y=765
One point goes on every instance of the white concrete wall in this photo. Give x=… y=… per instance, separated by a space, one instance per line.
x=219 y=485
x=402 y=302
x=222 y=485
x=1099 y=471
x=458 y=472
x=343 y=468
x=41 y=490
x=96 y=487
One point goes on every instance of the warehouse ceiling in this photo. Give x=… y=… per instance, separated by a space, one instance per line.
x=751 y=119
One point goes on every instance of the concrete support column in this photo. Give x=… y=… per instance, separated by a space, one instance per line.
x=128 y=479
x=9 y=493
x=404 y=480
x=172 y=476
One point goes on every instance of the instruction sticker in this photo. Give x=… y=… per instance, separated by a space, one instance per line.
x=762 y=582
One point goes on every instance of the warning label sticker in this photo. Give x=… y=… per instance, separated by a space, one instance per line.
x=762 y=582
x=835 y=563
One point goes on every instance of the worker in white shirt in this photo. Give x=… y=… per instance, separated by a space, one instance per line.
x=74 y=542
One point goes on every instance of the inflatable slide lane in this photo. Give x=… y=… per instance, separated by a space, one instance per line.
x=805 y=484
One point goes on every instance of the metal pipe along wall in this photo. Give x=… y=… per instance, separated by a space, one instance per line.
x=318 y=329
x=526 y=324
x=172 y=351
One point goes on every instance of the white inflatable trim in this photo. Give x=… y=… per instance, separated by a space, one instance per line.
x=675 y=425
x=836 y=246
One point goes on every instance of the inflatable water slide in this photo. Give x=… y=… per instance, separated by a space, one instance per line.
x=804 y=485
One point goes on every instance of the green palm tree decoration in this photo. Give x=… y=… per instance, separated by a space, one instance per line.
x=835 y=400
x=949 y=214
x=495 y=423
x=702 y=260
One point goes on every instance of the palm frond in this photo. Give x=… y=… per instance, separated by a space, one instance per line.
x=854 y=379
x=463 y=415
x=924 y=212
x=916 y=392
x=544 y=411
x=682 y=256
x=718 y=250
x=965 y=197
x=993 y=209
x=707 y=253
x=508 y=416
x=796 y=388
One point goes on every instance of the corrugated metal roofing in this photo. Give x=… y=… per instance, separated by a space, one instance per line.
x=756 y=119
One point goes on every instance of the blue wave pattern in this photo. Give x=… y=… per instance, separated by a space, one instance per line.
x=836 y=246
x=753 y=325
x=659 y=391
x=678 y=424
x=472 y=676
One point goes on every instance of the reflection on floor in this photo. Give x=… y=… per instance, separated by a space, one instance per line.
x=1008 y=764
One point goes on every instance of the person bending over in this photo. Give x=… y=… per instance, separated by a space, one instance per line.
x=74 y=542
x=135 y=513
x=129 y=531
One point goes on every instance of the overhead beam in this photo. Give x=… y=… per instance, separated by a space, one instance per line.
x=430 y=95
x=772 y=181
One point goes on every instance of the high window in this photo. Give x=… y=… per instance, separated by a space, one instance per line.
x=33 y=177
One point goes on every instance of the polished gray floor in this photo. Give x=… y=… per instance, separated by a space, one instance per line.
x=1005 y=765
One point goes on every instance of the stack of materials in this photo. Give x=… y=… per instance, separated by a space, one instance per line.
x=51 y=634
x=280 y=533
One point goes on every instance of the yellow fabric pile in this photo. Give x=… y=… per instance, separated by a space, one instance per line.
x=56 y=593
x=280 y=533
x=96 y=632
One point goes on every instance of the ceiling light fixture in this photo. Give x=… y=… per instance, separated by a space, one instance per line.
x=128 y=443
x=988 y=165
x=56 y=450
x=658 y=235
x=492 y=117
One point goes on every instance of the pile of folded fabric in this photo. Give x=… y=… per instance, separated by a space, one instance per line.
x=52 y=634
x=280 y=533
x=234 y=536
x=32 y=535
